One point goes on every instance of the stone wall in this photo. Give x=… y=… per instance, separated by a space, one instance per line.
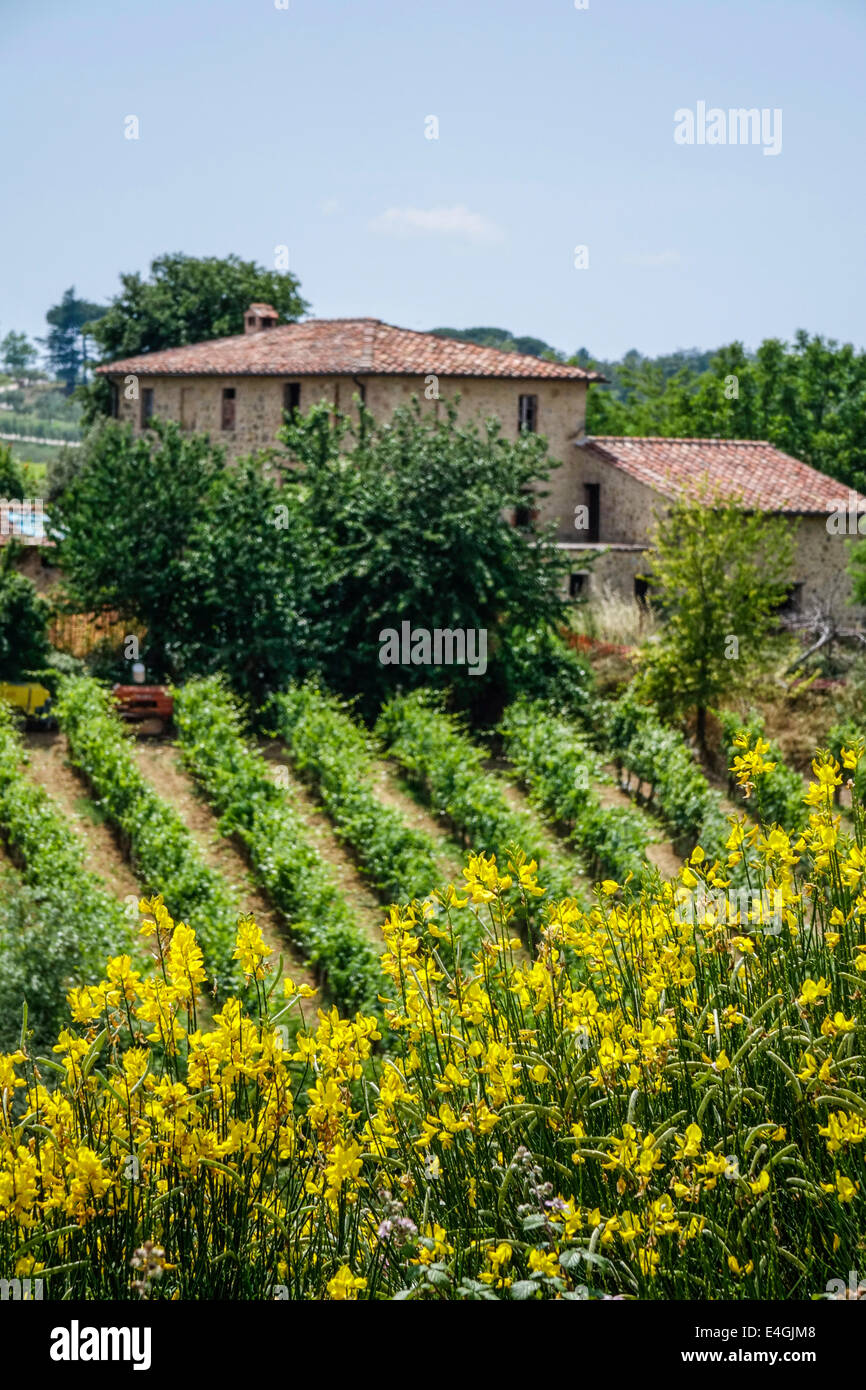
x=196 y=402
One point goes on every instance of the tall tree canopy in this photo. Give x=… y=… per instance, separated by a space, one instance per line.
x=70 y=323
x=188 y=299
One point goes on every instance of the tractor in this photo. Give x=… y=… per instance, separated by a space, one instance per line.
x=31 y=700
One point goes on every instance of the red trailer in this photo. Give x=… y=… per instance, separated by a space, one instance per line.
x=149 y=707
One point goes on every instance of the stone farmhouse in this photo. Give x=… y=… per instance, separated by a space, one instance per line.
x=603 y=492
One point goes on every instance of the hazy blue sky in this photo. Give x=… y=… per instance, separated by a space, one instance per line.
x=305 y=127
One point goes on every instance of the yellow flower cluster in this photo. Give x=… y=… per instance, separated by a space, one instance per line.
x=656 y=1101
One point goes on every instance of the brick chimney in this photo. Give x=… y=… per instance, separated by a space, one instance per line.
x=259 y=316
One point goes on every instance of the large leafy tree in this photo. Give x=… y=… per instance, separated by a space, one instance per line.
x=188 y=299
x=69 y=323
x=185 y=299
x=220 y=566
x=125 y=519
x=418 y=521
x=254 y=569
x=719 y=574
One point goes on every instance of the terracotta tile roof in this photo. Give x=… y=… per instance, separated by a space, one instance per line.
x=747 y=470
x=340 y=347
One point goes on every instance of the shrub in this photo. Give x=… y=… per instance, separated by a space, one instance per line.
x=335 y=754
x=446 y=767
x=60 y=929
x=238 y=783
x=162 y=849
x=559 y=769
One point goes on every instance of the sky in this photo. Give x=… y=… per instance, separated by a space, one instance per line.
x=307 y=127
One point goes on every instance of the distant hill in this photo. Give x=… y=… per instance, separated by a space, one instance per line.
x=694 y=360
x=502 y=339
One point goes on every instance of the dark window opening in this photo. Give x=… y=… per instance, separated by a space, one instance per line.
x=592 y=492
x=527 y=413
x=146 y=406
x=525 y=514
x=577 y=584
x=291 y=398
x=115 y=399
x=228 y=408
x=792 y=601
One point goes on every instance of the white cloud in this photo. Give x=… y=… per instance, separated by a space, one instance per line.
x=455 y=221
x=655 y=258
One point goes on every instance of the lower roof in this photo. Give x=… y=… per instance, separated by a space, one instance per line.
x=749 y=471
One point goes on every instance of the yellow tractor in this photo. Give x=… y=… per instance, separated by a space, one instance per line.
x=31 y=700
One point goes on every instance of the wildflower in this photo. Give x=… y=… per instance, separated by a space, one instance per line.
x=345 y=1286
x=251 y=950
x=812 y=992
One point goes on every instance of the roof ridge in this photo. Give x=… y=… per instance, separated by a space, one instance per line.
x=684 y=439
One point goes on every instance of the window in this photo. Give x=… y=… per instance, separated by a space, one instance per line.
x=228 y=408
x=524 y=513
x=592 y=492
x=527 y=413
x=641 y=590
x=146 y=406
x=577 y=584
x=291 y=397
x=792 y=602
x=115 y=400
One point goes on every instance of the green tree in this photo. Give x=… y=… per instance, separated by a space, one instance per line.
x=185 y=299
x=24 y=618
x=188 y=299
x=126 y=518
x=13 y=482
x=419 y=530
x=17 y=354
x=254 y=569
x=718 y=575
x=218 y=564
x=66 y=343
